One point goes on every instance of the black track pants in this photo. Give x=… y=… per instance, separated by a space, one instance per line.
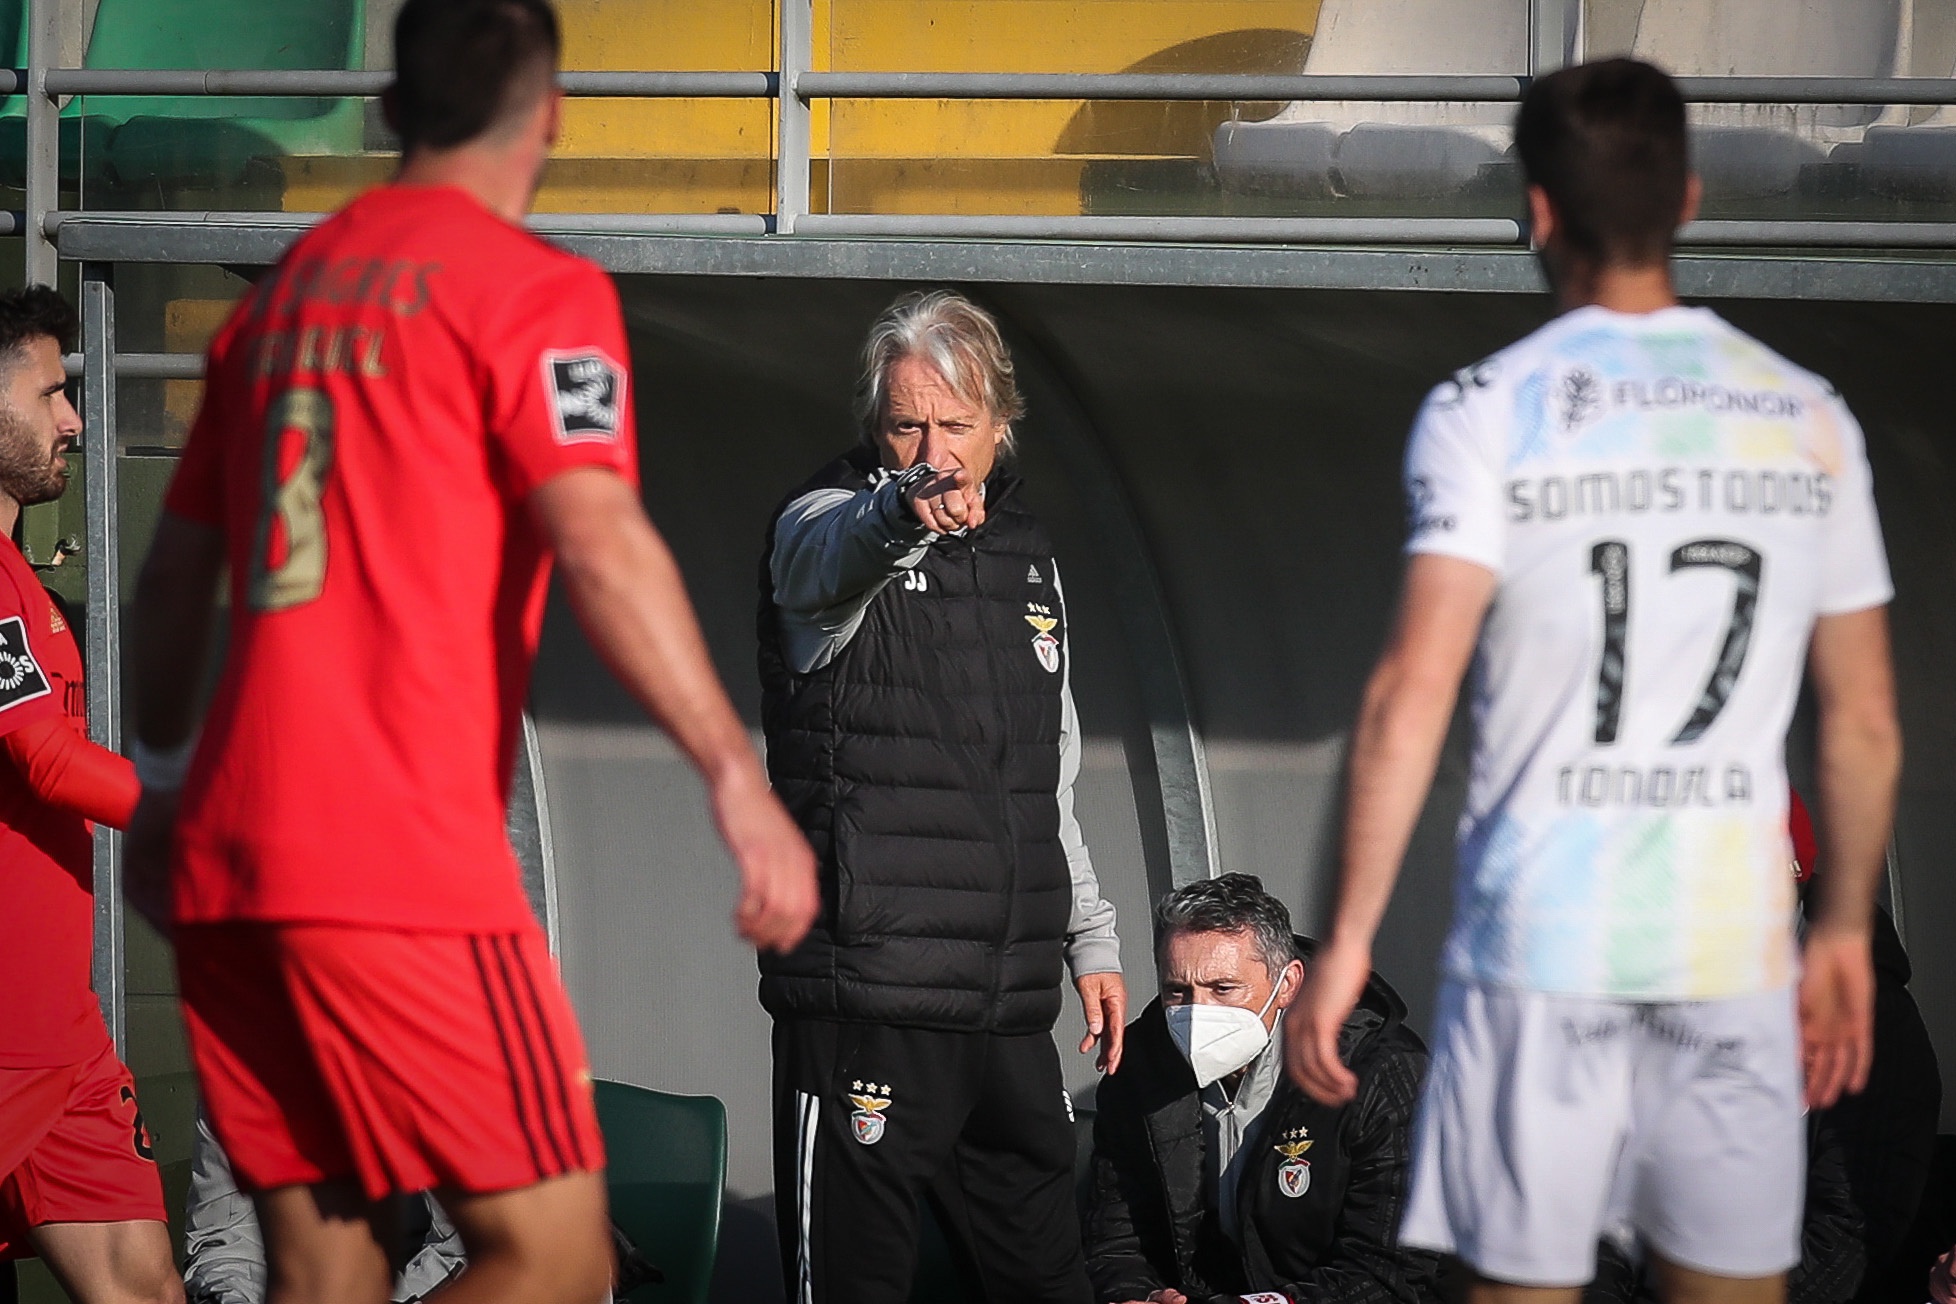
x=869 y=1120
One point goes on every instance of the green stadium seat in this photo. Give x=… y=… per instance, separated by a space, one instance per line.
x=13 y=108
x=84 y=135
x=13 y=39
x=666 y=1174
x=194 y=140
x=211 y=140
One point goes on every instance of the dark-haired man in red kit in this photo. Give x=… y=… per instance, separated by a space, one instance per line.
x=78 y=1183
x=371 y=1006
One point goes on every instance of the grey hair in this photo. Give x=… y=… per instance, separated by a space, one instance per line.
x=1233 y=903
x=958 y=338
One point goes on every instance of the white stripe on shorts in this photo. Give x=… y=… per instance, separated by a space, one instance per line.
x=808 y=1114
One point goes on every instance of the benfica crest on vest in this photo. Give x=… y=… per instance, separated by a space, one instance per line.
x=1294 y=1174
x=868 y=1121
x=1044 y=645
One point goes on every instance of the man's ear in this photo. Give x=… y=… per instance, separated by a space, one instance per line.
x=554 y=116
x=1694 y=194
x=1541 y=218
x=1288 y=983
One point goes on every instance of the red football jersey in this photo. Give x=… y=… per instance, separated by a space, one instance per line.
x=47 y=900
x=376 y=413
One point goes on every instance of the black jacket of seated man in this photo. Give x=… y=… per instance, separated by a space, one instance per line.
x=1150 y=1224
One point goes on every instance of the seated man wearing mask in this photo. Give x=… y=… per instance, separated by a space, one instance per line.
x=1214 y=1178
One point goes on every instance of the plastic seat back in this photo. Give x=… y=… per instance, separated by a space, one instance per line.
x=1769 y=38
x=13 y=38
x=210 y=140
x=225 y=34
x=667 y=1173
x=1386 y=150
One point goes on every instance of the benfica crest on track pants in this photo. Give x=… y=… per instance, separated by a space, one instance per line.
x=870 y=1120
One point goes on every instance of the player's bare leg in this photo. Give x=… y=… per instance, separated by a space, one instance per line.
x=112 y=1262
x=1676 y=1285
x=543 y=1244
x=327 y=1244
x=1483 y=1290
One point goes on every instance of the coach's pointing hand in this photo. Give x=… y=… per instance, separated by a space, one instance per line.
x=1333 y=982
x=778 y=898
x=948 y=502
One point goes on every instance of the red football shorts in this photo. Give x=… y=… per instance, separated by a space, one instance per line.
x=73 y=1149
x=406 y=1061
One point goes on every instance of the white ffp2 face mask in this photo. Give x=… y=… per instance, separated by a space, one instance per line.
x=1218 y=1039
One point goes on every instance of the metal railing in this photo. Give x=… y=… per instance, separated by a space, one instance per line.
x=810 y=86
x=795 y=86
x=793 y=159
x=793 y=163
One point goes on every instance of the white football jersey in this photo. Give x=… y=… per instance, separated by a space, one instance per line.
x=1668 y=506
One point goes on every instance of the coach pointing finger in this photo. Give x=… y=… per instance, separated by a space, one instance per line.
x=921 y=729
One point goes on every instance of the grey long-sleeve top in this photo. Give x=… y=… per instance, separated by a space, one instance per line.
x=833 y=552
x=224 y=1250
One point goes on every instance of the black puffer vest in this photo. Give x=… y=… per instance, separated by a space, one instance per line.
x=923 y=764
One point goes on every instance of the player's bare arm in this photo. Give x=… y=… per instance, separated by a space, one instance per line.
x=1402 y=723
x=1860 y=755
x=176 y=604
x=628 y=593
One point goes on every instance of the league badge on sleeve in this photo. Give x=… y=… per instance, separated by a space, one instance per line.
x=870 y=1101
x=586 y=390
x=1294 y=1174
x=21 y=679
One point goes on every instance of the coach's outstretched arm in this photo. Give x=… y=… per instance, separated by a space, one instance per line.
x=1401 y=725
x=629 y=595
x=1859 y=762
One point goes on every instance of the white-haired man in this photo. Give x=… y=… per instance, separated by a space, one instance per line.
x=921 y=730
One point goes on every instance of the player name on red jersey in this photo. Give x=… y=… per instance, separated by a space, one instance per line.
x=376 y=416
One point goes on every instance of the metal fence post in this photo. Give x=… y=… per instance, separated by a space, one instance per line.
x=1555 y=38
x=103 y=636
x=43 y=139
x=791 y=159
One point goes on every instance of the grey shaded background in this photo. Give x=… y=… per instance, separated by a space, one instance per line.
x=1258 y=436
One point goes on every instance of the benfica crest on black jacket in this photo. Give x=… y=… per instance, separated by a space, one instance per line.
x=1319 y=1200
x=923 y=764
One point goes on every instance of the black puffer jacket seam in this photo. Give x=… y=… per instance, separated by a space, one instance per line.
x=930 y=838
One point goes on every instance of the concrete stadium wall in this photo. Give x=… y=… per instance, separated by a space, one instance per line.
x=1258 y=437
